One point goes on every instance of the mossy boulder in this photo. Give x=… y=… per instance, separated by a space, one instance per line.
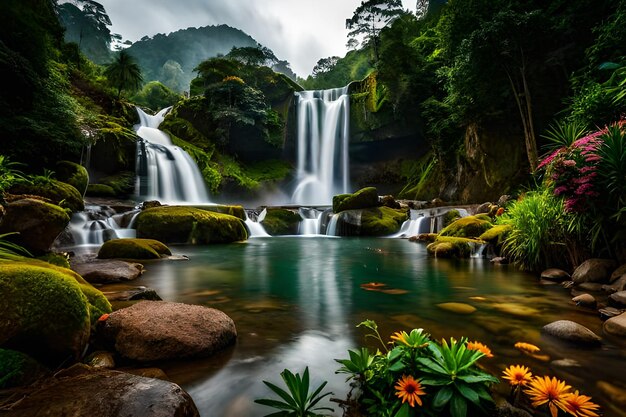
x=57 y=259
x=450 y=217
x=100 y=190
x=133 y=249
x=123 y=183
x=73 y=174
x=379 y=221
x=60 y=193
x=364 y=198
x=38 y=223
x=281 y=222
x=44 y=311
x=180 y=224
x=497 y=234
x=468 y=227
x=237 y=211
x=451 y=247
x=17 y=369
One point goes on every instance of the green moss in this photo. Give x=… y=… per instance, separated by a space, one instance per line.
x=450 y=216
x=281 y=222
x=133 y=249
x=364 y=198
x=100 y=190
x=381 y=221
x=451 y=247
x=73 y=174
x=469 y=227
x=496 y=234
x=17 y=369
x=58 y=192
x=178 y=224
x=56 y=259
x=237 y=211
x=123 y=183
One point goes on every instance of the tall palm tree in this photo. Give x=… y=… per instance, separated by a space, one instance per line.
x=124 y=73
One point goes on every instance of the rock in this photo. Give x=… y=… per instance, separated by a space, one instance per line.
x=146 y=372
x=618 y=285
x=436 y=202
x=566 y=363
x=503 y=200
x=133 y=249
x=590 y=286
x=608 y=312
x=568 y=284
x=618 y=299
x=585 y=300
x=236 y=211
x=281 y=222
x=17 y=369
x=58 y=192
x=73 y=174
x=615 y=394
x=106 y=271
x=364 y=198
x=450 y=247
x=594 y=270
x=178 y=224
x=570 y=331
x=101 y=359
x=459 y=308
x=499 y=260
x=425 y=237
x=37 y=222
x=496 y=234
x=515 y=309
x=616 y=325
x=555 y=274
x=507 y=410
x=85 y=391
x=468 y=227
x=100 y=190
x=483 y=208
x=131 y=294
x=150 y=204
x=450 y=216
x=379 y=221
x=389 y=201
x=618 y=273
x=160 y=330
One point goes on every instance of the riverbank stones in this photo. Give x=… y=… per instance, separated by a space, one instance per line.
x=573 y=332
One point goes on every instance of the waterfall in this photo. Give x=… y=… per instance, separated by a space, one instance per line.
x=254 y=226
x=323 y=134
x=311 y=221
x=165 y=172
x=97 y=224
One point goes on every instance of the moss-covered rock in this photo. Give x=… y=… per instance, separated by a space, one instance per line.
x=281 y=222
x=44 y=311
x=469 y=227
x=60 y=193
x=17 y=369
x=100 y=190
x=38 y=223
x=451 y=247
x=133 y=249
x=73 y=174
x=450 y=217
x=379 y=221
x=123 y=183
x=496 y=234
x=364 y=198
x=179 y=224
x=237 y=211
x=57 y=259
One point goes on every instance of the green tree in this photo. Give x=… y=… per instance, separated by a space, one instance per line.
x=124 y=73
x=156 y=96
x=369 y=19
x=325 y=65
x=251 y=55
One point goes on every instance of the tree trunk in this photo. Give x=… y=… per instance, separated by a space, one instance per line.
x=524 y=106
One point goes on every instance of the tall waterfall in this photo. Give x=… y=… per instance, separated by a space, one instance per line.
x=165 y=172
x=323 y=133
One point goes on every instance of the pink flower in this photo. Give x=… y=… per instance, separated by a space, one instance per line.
x=560 y=190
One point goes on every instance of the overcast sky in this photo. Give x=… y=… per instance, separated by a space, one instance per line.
x=300 y=31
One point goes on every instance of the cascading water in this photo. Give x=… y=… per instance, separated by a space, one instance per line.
x=165 y=172
x=323 y=134
x=412 y=227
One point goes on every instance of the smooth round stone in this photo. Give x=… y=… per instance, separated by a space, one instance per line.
x=516 y=309
x=616 y=325
x=459 y=308
x=555 y=274
x=585 y=300
x=570 y=331
x=618 y=299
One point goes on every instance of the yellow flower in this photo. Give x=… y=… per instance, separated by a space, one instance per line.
x=409 y=390
x=517 y=375
x=527 y=347
x=580 y=405
x=480 y=347
x=401 y=337
x=546 y=390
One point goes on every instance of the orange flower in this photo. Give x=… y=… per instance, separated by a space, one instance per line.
x=579 y=405
x=409 y=390
x=546 y=390
x=517 y=375
x=480 y=347
x=400 y=337
x=527 y=347
x=103 y=317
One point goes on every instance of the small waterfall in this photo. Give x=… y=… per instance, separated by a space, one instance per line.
x=410 y=228
x=255 y=227
x=323 y=134
x=331 y=230
x=97 y=224
x=311 y=222
x=165 y=172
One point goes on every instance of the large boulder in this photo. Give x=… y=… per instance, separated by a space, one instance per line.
x=281 y=222
x=364 y=198
x=73 y=174
x=17 y=368
x=160 y=330
x=133 y=249
x=616 y=325
x=379 y=221
x=573 y=332
x=555 y=274
x=594 y=270
x=451 y=247
x=85 y=391
x=38 y=223
x=468 y=227
x=618 y=273
x=105 y=271
x=58 y=192
x=179 y=224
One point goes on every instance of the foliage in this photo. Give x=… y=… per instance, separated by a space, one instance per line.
x=10 y=250
x=9 y=174
x=325 y=65
x=446 y=373
x=299 y=401
x=124 y=73
x=156 y=96
x=564 y=133
x=251 y=55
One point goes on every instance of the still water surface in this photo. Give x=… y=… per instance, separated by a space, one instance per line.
x=296 y=302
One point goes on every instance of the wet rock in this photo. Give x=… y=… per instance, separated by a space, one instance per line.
x=483 y=208
x=389 y=201
x=150 y=204
x=570 y=331
x=618 y=299
x=616 y=325
x=568 y=284
x=160 y=330
x=590 y=286
x=363 y=198
x=617 y=395
x=86 y=391
x=459 y=308
x=133 y=249
x=503 y=200
x=507 y=410
x=18 y=369
x=608 y=312
x=499 y=260
x=555 y=274
x=565 y=363
x=617 y=285
x=516 y=309
x=132 y=294
x=618 y=273
x=101 y=359
x=594 y=270
x=585 y=300
x=105 y=271
x=147 y=372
